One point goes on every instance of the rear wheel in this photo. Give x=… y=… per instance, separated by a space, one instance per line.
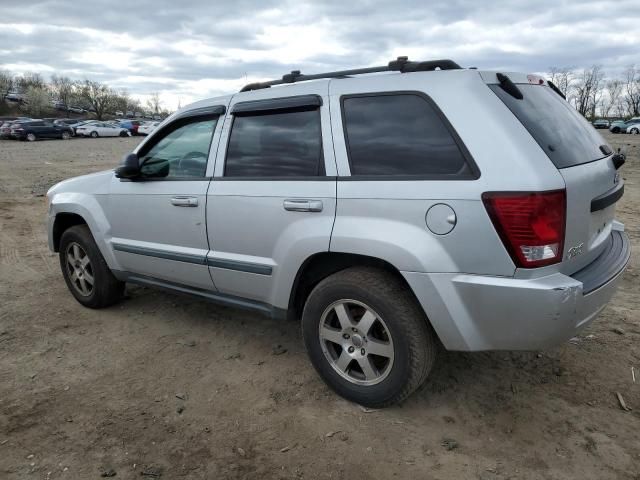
x=87 y=275
x=123 y=134
x=615 y=130
x=367 y=337
x=31 y=137
x=635 y=131
x=94 y=134
x=66 y=135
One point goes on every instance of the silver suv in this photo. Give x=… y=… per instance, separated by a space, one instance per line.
x=391 y=210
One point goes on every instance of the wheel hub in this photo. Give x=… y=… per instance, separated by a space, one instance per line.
x=356 y=342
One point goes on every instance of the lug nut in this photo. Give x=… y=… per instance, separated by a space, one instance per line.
x=351 y=349
x=362 y=351
x=345 y=336
x=353 y=329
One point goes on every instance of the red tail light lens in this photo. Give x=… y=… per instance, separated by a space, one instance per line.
x=531 y=225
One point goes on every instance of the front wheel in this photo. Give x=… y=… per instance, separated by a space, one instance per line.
x=65 y=136
x=94 y=134
x=123 y=134
x=635 y=131
x=87 y=275
x=615 y=130
x=367 y=337
x=31 y=137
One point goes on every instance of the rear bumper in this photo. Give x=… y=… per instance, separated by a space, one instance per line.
x=473 y=312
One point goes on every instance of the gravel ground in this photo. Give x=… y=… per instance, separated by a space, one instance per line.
x=171 y=387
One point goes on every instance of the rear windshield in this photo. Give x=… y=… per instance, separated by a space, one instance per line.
x=566 y=137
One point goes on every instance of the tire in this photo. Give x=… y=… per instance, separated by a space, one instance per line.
x=123 y=134
x=615 y=130
x=94 y=134
x=65 y=136
x=31 y=137
x=635 y=131
x=77 y=244
x=400 y=328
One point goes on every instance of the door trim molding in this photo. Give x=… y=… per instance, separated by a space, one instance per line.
x=154 y=252
x=248 y=267
x=240 y=266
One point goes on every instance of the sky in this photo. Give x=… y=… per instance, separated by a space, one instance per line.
x=189 y=50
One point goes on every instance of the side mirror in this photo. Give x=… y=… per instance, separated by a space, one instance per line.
x=130 y=167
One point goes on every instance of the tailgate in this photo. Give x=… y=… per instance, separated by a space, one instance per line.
x=592 y=190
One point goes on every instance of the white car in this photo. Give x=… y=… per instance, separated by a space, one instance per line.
x=147 y=128
x=634 y=128
x=102 y=129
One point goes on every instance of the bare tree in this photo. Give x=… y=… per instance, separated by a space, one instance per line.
x=99 y=96
x=63 y=89
x=153 y=103
x=27 y=80
x=587 y=90
x=6 y=83
x=562 y=77
x=37 y=100
x=612 y=98
x=632 y=90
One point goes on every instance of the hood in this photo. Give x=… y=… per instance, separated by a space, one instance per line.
x=94 y=183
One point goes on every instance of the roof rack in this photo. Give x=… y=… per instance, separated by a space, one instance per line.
x=401 y=64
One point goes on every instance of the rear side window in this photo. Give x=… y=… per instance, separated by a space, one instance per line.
x=565 y=136
x=400 y=135
x=281 y=143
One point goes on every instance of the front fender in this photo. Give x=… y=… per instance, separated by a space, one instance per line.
x=90 y=208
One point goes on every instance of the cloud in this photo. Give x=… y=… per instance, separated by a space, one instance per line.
x=197 y=49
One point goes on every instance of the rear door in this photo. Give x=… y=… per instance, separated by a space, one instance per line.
x=271 y=203
x=583 y=158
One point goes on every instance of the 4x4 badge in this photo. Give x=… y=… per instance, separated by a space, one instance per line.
x=575 y=251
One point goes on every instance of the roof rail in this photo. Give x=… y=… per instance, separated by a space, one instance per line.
x=401 y=64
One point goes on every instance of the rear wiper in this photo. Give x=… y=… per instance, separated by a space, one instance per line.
x=508 y=86
x=556 y=89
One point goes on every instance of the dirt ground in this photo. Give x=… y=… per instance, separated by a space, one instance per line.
x=171 y=387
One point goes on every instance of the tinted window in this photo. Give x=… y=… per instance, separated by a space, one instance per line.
x=182 y=152
x=399 y=135
x=565 y=136
x=275 y=144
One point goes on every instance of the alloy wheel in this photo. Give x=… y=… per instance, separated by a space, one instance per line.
x=356 y=342
x=79 y=269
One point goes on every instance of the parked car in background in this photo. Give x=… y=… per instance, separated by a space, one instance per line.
x=131 y=125
x=76 y=109
x=14 y=97
x=619 y=126
x=69 y=122
x=36 y=129
x=102 y=129
x=601 y=123
x=5 y=125
x=147 y=128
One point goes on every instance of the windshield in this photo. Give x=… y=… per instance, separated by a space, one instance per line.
x=565 y=135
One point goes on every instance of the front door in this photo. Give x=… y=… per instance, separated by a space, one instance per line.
x=271 y=203
x=158 y=222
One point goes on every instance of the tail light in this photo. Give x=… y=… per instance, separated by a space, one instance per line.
x=531 y=225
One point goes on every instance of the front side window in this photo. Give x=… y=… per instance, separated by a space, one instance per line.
x=281 y=143
x=182 y=152
x=399 y=135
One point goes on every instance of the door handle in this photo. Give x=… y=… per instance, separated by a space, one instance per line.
x=302 y=205
x=184 y=201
